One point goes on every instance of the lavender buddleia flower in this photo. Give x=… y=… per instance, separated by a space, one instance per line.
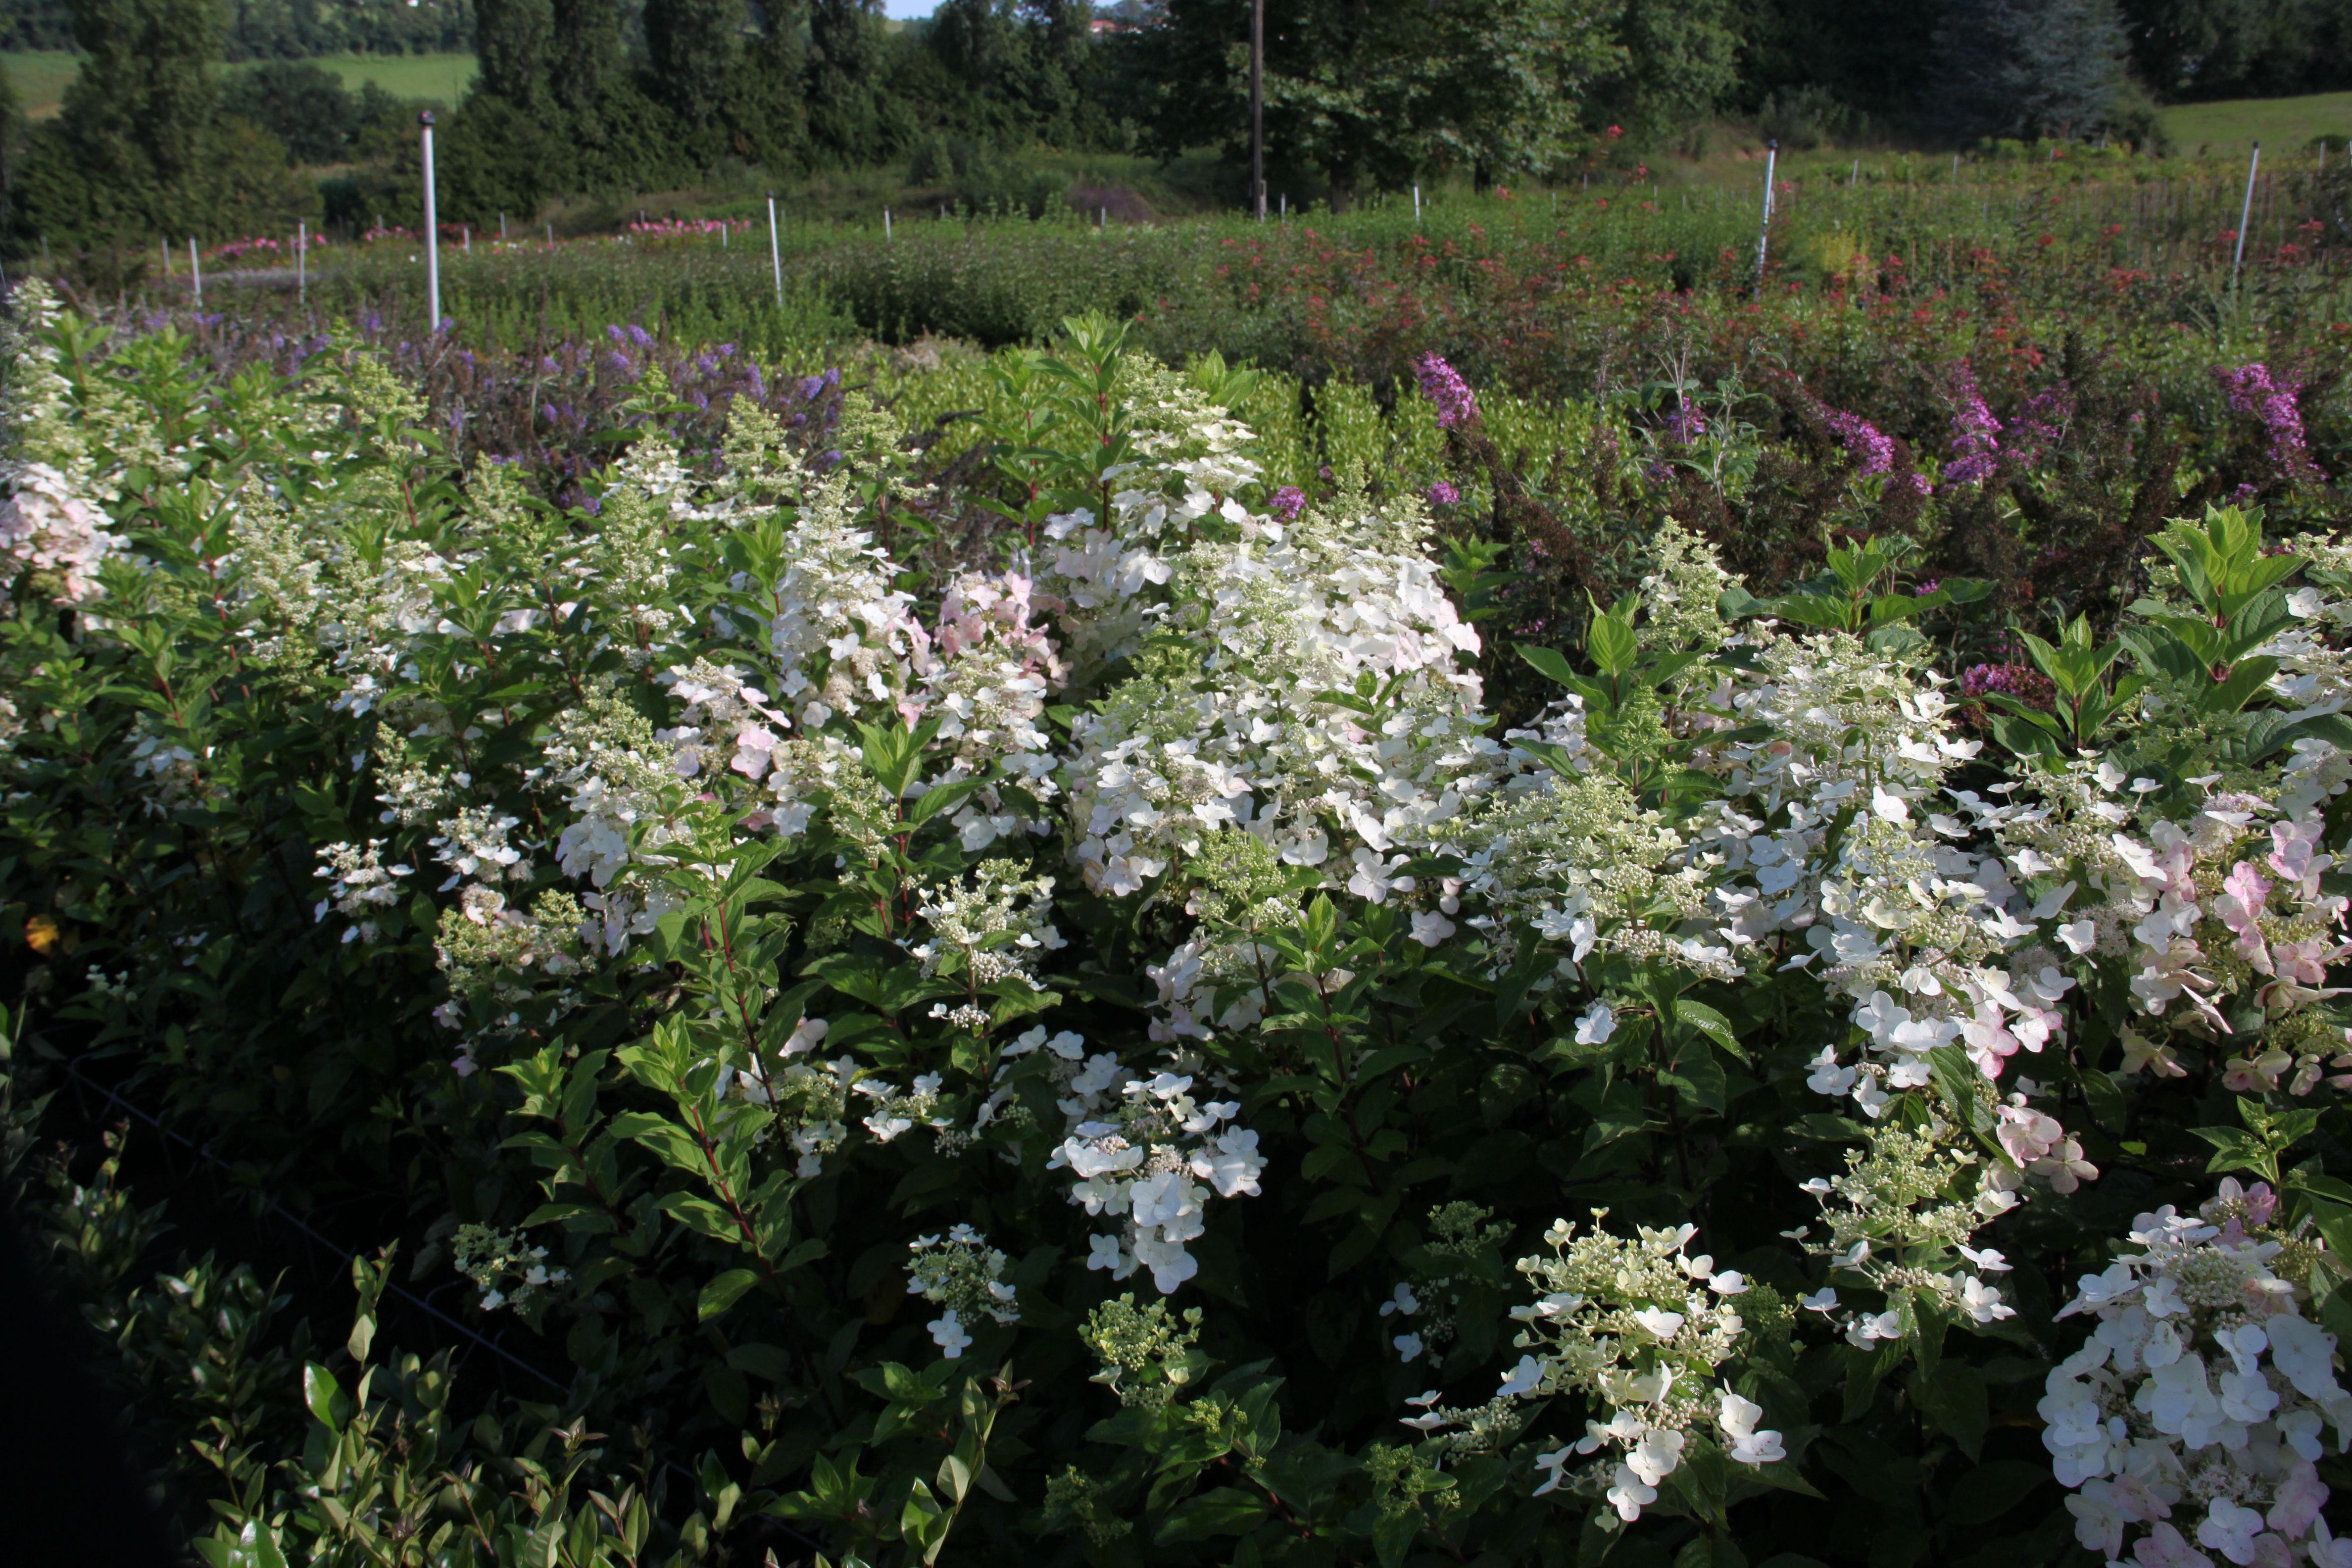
x=1975 y=432
x=1444 y=387
x=2253 y=391
x=1863 y=442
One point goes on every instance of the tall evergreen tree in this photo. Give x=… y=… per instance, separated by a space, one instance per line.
x=844 y=80
x=693 y=48
x=119 y=157
x=511 y=40
x=585 y=64
x=2028 y=67
x=770 y=113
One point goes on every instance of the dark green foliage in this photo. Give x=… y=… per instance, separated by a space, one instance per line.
x=305 y=106
x=281 y=29
x=693 y=53
x=493 y=158
x=2027 y=67
x=1681 y=60
x=138 y=149
x=584 y=70
x=1369 y=97
x=1875 y=55
x=2241 y=48
x=511 y=39
x=848 y=115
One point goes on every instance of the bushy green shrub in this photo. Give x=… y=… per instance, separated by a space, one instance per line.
x=1109 y=1046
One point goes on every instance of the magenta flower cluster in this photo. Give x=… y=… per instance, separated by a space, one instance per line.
x=1685 y=423
x=1443 y=494
x=2022 y=681
x=1443 y=385
x=1289 y=501
x=1863 y=442
x=2253 y=391
x=1975 y=432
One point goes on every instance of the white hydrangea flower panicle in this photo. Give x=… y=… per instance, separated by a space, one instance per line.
x=807 y=1097
x=1461 y=1246
x=1256 y=711
x=626 y=802
x=1149 y=1151
x=360 y=887
x=1641 y=1331
x=960 y=1273
x=2197 y=1411
x=1846 y=856
x=2219 y=917
x=1898 y=1223
x=52 y=537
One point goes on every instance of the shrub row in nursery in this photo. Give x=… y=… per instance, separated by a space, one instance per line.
x=1104 y=1045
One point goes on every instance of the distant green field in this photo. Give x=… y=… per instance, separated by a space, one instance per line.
x=40 y=76
x=2281 y=124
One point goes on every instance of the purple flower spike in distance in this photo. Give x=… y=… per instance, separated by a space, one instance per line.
x=1440 y=383
x=1975 y=432
x=2253 y=391
x=1443 y=494
x=1288 y=503
x=1863 y=442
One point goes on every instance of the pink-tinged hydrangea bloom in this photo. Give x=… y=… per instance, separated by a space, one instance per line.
x=57 y=536
x=1443 y=385
x=2244 y=893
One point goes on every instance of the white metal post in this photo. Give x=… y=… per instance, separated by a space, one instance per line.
x=432 y=230
x=1764 y=233
x=2245 y=213
x=1416 y=206
x=196 y=272
x=302 y=262
x=775 y=251
x=885 y=223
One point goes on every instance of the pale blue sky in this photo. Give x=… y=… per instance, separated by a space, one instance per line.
x=903 y=8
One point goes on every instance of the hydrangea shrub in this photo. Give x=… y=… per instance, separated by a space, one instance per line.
x=1113 y=1048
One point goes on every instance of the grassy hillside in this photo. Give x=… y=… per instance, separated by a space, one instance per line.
x=2281 y=124
x=40 y=76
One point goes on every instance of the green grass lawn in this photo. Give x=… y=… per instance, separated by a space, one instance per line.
x=2281 y=124
x=40 y=76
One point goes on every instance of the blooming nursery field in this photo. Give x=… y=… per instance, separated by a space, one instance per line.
x=1058 y=956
